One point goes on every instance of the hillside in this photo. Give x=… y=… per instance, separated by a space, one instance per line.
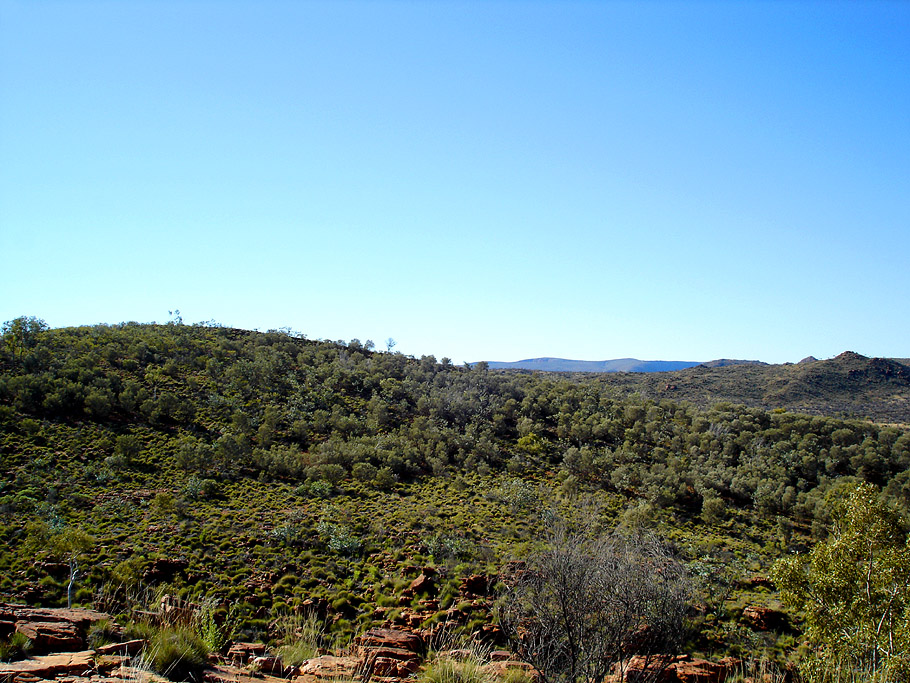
x=267 y=474
x=849 y=385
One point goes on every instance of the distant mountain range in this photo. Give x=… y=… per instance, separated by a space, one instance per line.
x=548 y=364
x=849 y=384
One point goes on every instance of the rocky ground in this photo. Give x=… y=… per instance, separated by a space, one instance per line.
x=60 y=653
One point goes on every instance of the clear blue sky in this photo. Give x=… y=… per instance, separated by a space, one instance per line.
x=479 y=180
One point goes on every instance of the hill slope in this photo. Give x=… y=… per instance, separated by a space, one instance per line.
x=270 y=473
x=849 y=385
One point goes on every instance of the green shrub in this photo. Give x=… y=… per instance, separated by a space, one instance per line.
x=103 y=632
x=452 y=671
x=301 y=637
x=176 y=653
x=17 y=647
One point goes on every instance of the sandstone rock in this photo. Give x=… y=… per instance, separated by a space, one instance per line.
x=51 y=636
x=48 y=666
x=240 y=654
x=328 y=667
x=378 y=637
x=475 y=584
x=423 y=584
x=223 y=673
x=699 y=671
x=681 y=669
x=500 y=668
x=500 y=656
x=130 y=647
x=764 y=618
x=82 y=618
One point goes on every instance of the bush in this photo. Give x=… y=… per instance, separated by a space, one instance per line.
x=103 y=632
x=454 y=671
x=17 y=647
x=176 y=653
x=578 y=610
x=301 y=637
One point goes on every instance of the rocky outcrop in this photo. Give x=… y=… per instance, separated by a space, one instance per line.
x=329 y=668
x=46 y=667
x=764 y=618
x=49 y=629
x=679 y=669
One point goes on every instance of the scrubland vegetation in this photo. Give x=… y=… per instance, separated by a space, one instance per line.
x=267 y=475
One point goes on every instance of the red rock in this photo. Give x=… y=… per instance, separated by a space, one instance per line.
x=272 y=665
x=699 y=671
x=764 y=618
x=500 y=656
x=422 y=584
x=328 y=667
x=378 y=637
x=51 y=636
x=241 y=653
x=475 y=584
x=500 y=668
x=130 y=647
x=49 y=666
x=681 y=669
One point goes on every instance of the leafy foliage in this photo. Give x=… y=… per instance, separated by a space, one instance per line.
x=855 y=586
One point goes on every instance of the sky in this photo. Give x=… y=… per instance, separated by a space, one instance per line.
x=490 y=180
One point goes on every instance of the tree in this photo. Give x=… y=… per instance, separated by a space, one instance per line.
x=22 y=333
x=854 y=588
x=583 y=607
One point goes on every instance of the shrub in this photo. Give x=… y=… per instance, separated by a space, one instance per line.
x=301 y=637
x=17 y=647
x=450 y=670
x=103 y=632
x=577 y=612
x=176 y=653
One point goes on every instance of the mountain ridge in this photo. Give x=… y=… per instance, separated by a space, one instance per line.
x=553 y=364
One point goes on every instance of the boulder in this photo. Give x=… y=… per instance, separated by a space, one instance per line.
x=699 y=671
x=379 y=637
x=475 y=584
x=764 y=618
x=501 y=667
x=424 y=583
x=680 y=669
x=240 y=654
x=328 y=668
x=52 y=636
